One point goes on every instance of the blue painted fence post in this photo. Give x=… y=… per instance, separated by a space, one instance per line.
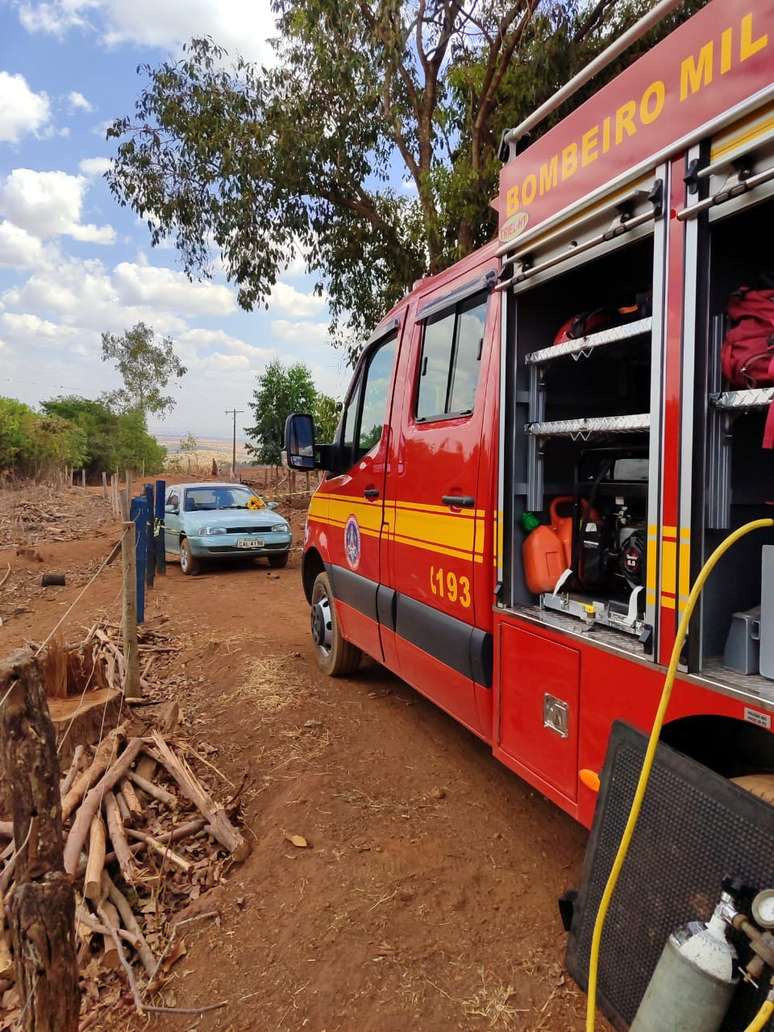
x=150 y=568
x=161 y=555
x=138 y=513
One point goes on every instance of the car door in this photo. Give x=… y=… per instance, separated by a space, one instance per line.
x=436 y=540
x=355 y=497
x=172 y=519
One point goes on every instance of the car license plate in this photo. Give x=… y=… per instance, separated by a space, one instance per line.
x=255 y=542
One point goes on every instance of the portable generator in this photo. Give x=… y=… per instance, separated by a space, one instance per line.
x=605 y=579
x=609 y=520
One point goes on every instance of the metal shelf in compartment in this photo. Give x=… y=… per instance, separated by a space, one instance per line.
x=582 y=429
x=583 y=346
x=741 y=401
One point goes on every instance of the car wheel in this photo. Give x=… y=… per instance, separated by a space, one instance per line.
x=335 y=656
x=278 y=561
x=188 y=563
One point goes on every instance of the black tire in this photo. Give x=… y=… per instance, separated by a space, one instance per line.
x=760 y=785
x=335 y=656
x=278 y=561
x=189 y=564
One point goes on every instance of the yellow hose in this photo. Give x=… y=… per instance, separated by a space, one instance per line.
x=647 y=765
x=763 y=1015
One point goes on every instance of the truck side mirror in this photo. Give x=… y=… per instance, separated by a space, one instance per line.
x=299 y=441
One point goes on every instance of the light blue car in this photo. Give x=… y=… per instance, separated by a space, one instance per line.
x=222 y=521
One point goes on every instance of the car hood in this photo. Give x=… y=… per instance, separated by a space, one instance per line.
x=233 y=518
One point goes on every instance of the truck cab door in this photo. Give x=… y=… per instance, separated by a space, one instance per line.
x=436 y=526
x=355 y=497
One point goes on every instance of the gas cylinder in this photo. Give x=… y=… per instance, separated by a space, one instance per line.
x=694 y=980
x=542 y=554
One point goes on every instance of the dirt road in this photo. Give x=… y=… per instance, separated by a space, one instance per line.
x=426 y=898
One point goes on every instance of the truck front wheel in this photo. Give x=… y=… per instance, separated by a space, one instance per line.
x=335 y=656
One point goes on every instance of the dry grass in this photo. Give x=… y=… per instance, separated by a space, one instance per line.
x=492 y=1004
x=269 y=685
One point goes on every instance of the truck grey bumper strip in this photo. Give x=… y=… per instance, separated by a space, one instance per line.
x=466 y=649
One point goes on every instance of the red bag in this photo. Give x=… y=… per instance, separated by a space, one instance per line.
x=747 y=355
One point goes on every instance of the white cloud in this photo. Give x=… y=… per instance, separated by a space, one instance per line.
x=300 y=332
x=21 y=109
x=142 y=284
x=28 y=328
x=94 y=166
x=287 y=298
x=82 y=293
x=18 y=248
x=242 y=26
x=77 y=102
x=49 y=204
x=201 y=342
x=54 y=17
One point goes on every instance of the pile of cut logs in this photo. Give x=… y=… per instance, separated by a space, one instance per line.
x=106 y=642
x=144 y=837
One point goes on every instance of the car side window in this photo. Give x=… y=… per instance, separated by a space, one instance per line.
x=450 y=363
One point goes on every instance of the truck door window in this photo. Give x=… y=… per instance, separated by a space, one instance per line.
x=451 y=360
x=375 y=396
x=366 y=410
x=470 y=340
x=349 y=416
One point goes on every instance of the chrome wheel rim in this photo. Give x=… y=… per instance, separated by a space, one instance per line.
x=322 y=624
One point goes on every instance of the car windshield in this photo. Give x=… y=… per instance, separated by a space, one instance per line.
x=204 y=499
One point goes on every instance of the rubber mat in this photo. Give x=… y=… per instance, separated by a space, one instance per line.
x=695 y=827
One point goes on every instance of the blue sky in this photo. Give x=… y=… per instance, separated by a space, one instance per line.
x=72 y=263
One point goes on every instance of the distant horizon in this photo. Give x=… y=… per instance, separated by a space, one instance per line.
x=201 y=436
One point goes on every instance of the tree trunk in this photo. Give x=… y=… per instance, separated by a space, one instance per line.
x=41 y=903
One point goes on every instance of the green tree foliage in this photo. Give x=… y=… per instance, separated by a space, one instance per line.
x=135 y=448
x=31 y=442
x=301 y=154
x=326 y=417
x=113 y=440
x=98 y=423
x=189 y=446
x=280 y=390
x=146 y=366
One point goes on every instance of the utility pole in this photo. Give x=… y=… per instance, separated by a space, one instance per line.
x=233 y=412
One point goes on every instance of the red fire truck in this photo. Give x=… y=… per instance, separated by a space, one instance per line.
x=538 y=449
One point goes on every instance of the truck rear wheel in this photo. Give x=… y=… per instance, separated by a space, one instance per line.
x=760 y=785
x=335 y=656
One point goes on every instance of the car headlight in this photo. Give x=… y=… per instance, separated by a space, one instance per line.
x=282 y=528
x=214 y=530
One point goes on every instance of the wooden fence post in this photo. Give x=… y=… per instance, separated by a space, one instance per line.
x=132 y=688
x=41 y=903
x=104 y=484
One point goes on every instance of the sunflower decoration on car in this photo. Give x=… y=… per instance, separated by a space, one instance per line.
x=254 y=502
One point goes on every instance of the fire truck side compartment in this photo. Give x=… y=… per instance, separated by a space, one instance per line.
x=613 y=380
x=737 y=474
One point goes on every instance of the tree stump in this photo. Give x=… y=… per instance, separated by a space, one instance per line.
x=41 y=903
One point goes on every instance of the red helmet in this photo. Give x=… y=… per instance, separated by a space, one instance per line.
x=587 y=322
